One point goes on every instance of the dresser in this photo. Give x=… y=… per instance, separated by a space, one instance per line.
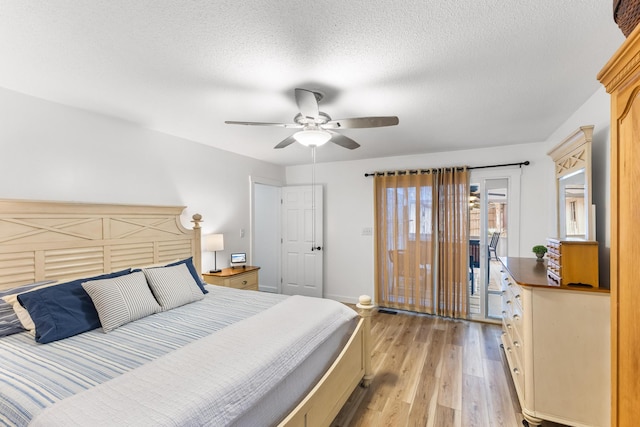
x=556 y=341
x=238 y=278
x=621 y=78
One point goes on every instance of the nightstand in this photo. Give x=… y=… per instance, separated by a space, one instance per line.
x=238 y=278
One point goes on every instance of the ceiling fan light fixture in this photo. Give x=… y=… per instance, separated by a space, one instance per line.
x=312 y=138
x=316 y=125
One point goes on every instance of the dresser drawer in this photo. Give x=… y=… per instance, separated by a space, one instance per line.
x=507 y=322
x=516 y=319
x=513 y=348
x=517 y=345
x=514 y=293
x=512 y=290
x=507 y=281
x=513 y=353
x=511 y=304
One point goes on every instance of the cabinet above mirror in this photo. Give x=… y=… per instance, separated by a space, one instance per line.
x=572 y=159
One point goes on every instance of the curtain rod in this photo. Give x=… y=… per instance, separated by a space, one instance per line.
x=403 y=172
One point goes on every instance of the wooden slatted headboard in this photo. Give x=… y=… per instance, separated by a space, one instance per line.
x=55 y=240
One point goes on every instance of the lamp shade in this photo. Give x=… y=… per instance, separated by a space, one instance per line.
x=312 y=138
x=214 y=242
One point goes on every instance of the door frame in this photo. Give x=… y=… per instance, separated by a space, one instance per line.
x=480 y=176
x=253 y=180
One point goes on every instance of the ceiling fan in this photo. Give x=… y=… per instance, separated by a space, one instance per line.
x=317 y=127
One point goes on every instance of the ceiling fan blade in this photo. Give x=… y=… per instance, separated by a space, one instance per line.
x=307 y=103
x=362 y=122
x=282 y=125
x=343 y=141
x=286 y=142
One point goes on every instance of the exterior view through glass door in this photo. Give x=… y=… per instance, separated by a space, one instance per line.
x=488 y=236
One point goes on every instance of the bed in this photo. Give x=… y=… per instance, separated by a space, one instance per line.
x=219 y=359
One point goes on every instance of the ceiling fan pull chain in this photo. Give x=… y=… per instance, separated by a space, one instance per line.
x=313 y=202
x=313 y=197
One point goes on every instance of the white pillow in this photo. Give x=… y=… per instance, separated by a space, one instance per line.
x=121 y=299
x=173 y=286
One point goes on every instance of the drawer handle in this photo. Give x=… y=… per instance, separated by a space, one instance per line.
x=518 y=296
x=509 y=349
x=516 y=371
x=516 y=343
x=244 y=282
x=508 y=301
x=509 y=325
x=516 y=317
x=504 y=312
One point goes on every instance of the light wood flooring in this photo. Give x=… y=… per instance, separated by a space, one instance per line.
x=431 y=371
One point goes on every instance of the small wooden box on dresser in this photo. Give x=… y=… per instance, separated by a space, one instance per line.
x=572 y=262
x=556 y=340
x=238 y=278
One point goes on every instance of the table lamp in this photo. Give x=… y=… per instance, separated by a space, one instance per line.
x=214 y=243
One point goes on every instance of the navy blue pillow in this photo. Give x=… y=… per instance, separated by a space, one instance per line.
x=192 y=270
x=63 y=310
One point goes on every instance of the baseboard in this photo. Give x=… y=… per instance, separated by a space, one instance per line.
x=342 y=298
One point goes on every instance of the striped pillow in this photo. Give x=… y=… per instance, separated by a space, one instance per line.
x=11 y=312
x=121 y=299
x=173 y=286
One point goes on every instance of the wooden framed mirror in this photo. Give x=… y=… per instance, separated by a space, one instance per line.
x=575 y=212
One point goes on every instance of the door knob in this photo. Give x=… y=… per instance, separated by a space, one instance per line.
x=316 y=248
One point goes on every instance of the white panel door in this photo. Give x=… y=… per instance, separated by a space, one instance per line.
x=302 y=243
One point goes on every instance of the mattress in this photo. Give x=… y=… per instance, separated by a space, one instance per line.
x=34 y=378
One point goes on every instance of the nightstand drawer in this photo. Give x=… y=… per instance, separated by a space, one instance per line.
x=238 y=278
x=245 y=281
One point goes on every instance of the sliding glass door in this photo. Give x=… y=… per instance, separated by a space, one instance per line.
x=493 y=233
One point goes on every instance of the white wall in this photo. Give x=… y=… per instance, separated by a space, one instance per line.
x=53 y=152
x=595 y=111
x=349 y=258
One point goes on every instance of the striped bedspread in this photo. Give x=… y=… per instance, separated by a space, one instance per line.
x=35 y=376
x=214 y=381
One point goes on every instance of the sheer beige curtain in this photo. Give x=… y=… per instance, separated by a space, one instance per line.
x=422 y=241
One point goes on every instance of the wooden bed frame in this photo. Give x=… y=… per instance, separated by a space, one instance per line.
x=57 y=241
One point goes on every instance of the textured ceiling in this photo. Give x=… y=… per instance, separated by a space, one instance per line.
x=458 y=74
